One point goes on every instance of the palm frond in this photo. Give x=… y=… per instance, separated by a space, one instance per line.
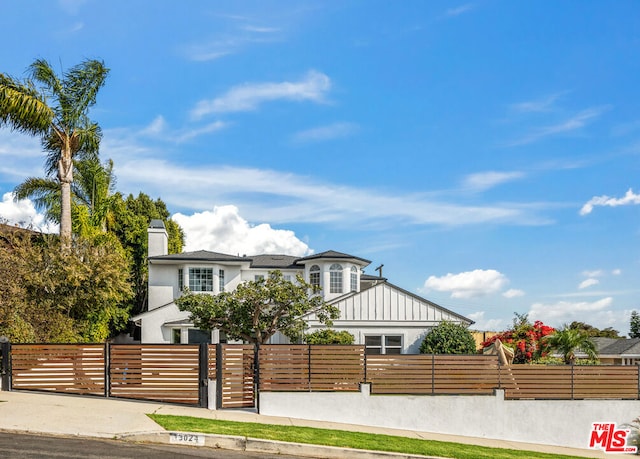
x=81 y=86
x=23 y=107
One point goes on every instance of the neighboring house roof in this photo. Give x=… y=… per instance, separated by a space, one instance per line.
x=200 y=255
x=617 y=346
x=333 y=255
x=274 y=262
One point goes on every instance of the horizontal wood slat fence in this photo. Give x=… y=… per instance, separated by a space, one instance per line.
x=180 y=373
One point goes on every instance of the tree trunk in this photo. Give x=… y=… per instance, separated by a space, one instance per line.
x=65 y=175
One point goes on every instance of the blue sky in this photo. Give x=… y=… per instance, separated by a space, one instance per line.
x=487 y=153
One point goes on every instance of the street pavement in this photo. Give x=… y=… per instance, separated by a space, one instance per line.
x=68 y=415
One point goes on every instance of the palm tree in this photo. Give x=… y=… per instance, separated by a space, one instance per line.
x=55 y=110
x=567 y=341
x=92 y=195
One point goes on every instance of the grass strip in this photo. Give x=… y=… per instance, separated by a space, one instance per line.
x=344 y=439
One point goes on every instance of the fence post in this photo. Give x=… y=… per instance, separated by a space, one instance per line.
x=433 y=374
x=256 y=376
x=5 y=364
x=572 y=381
x=638 y=366
x=107 y=369
x=499 y=374
x=309 y=366
x=219 y=381
x=203 y=375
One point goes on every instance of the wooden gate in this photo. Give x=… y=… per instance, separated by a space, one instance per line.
x=68 y=368
x=166 y=373
x=236 y=385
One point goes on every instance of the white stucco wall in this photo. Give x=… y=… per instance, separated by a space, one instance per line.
x=551 y=422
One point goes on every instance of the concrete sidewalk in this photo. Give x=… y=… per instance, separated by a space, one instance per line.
x=113 y=418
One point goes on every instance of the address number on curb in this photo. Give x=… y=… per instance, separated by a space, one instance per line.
x=186 y=439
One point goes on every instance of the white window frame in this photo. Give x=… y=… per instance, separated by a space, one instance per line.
x=314 y=276
x=336 y=284
x=221 y=280
x=197 y=283
x=354 y=279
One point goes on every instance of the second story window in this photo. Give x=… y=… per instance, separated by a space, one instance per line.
x=314 y=276
x=180 y=279
x=354 y=279
x=221 y=280
x=335 y=278
x=201 y=279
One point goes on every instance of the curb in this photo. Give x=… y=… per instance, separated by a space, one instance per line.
x=257 y=445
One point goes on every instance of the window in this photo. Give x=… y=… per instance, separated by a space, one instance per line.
x=201 y=279
x=287 y=277
x=258 y=277
x=199 y=336
x=383 y=344
x=314 y=276
x=176 y=335
x=335 y=278
x=221 y=280
x=354 y=279
x=180 y=279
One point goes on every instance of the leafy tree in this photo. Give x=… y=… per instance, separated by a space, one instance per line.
x=257 y=309
x=592 y=331
x=525 y=338
x=448 y=338
x=634 y=325
x=55 y=109
x=53 y=295
x=131 y=217
x=567 y=341
x=329 y=336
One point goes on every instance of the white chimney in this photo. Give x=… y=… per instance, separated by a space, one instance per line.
x=158 y=239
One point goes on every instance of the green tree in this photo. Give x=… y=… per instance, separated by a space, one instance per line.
x=53 y=295
x=55 y=109
x=257 y=309
x=593 y=332
x=634 y=325
x=329 y=336
x=448 y=338
x=131 y=217
x=567 y=341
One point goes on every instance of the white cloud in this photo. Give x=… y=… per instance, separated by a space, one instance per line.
x=282 y=197
x=328 y=132
x=594 y=273
x=616 y=272
x=468 y=284
x=248 y=97
x=630 y=198
x=545 y=104
x=160 y=129
x=457 y=11
x=484 y=180
x=588 y=283
x=513 y=293
x=483 y=324
x=561 y=312
x=224 y=230
x=23 y=213
x=574 y=123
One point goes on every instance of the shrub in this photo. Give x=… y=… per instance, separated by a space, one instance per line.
x=448 y=338
x=328 y=336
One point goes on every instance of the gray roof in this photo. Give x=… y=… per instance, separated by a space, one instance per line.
x=617 y=346
x=200 y=255
x=333 y=254
x=274 y=262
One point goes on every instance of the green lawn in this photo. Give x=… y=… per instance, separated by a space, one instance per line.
x=342 y=438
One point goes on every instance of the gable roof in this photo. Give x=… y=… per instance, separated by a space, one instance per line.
x=386 y=302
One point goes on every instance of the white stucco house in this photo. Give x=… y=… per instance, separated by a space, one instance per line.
x=383 y=317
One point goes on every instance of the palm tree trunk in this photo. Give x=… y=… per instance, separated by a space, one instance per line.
x=65 y=175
